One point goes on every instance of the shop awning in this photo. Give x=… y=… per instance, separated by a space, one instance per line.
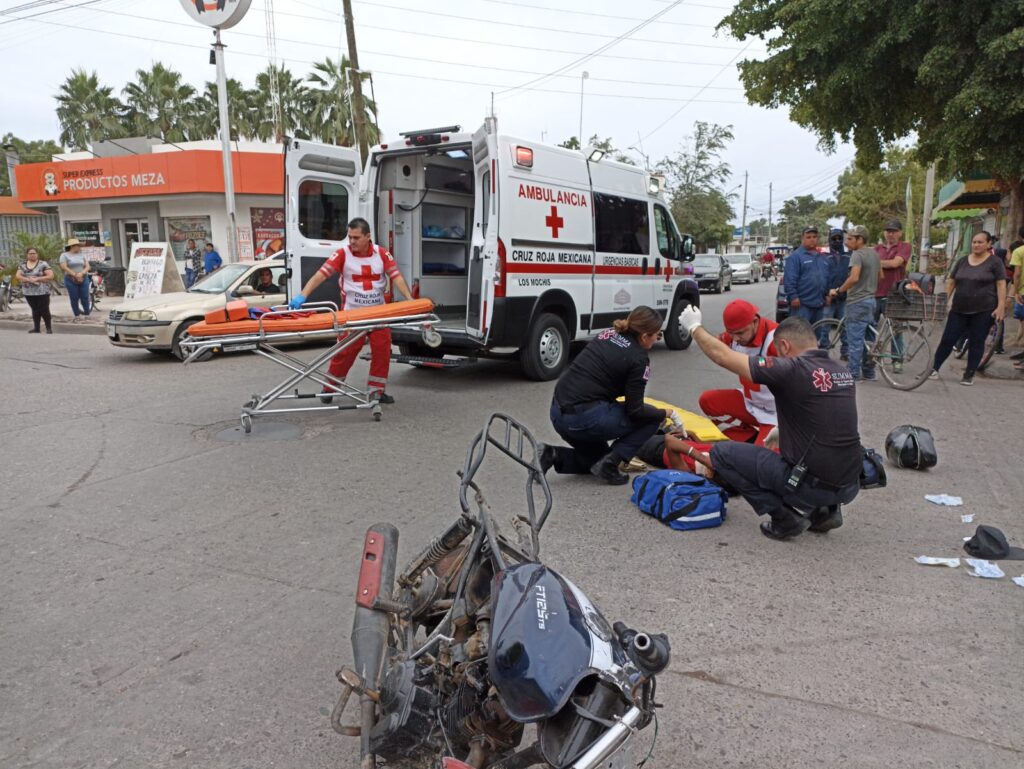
x=959 y=213
x=979 y=190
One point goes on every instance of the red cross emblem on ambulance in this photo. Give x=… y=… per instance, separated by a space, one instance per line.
x=554 y=221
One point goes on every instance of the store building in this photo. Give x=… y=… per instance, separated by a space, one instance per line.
x=142 y=190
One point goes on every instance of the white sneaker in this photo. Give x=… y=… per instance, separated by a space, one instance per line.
x=934 y=375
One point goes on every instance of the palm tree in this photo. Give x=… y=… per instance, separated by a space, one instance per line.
x=294 y=99
x=158 y=103
x=330 y=119
x=87 y=111
x=206 y=118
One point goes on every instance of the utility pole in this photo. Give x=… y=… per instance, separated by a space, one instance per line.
x=743 y=221
x=769 y=213
x=926 y=227
x=355 y=78
x=583 y=79
x=225 y=147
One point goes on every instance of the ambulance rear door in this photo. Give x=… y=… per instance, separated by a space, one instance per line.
x=322 y=196
x=483 y=255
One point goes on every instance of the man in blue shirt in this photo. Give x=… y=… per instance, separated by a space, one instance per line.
x=839 y=268
x=807 y=278
x=211 y=259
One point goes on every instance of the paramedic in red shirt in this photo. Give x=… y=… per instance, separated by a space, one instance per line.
x=752 y=405
x=365 y=271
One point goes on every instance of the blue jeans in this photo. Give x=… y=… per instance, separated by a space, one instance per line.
x=589 y=431
x=858 y=316
x=837 y=310
x=78 y=293
x=811 y=314
x=190 y=277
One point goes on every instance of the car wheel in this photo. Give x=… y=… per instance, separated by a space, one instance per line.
x=729 y=287
x=546 y=352
x=178 y=334
x=677 y=337
x=718 y=287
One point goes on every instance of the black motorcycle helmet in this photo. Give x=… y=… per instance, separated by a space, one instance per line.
x=910 y=446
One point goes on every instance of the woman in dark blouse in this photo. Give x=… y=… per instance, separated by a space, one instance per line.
x=976 y=288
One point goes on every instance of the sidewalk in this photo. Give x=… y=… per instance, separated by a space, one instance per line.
x=19 y=315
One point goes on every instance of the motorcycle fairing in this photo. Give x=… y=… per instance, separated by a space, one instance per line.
x=547 y=636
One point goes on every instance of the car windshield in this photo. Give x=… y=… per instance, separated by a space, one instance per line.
x=706 y=261
x=219 y=281
x=738 y=259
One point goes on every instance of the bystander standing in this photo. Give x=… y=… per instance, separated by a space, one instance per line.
x=859 y=288
x=806 y=282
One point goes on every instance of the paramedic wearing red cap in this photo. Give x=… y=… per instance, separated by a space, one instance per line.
x=365 y=271
x=752 y=405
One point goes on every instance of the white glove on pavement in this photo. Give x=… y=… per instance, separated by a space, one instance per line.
x=690 y=318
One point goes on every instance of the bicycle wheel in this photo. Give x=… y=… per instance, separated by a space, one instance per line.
x=830 y=336
x=993 y=342
x=904 y=355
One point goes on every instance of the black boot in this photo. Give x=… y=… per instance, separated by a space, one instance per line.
x=607 y=469
x=785 y=523
x=546 y=456
x=826 y=518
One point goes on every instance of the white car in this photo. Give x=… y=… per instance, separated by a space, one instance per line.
x=745 y=268
x=157 y=323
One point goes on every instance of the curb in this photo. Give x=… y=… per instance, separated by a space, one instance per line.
x=58 y=327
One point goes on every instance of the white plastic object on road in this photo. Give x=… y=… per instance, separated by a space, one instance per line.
x=1018 y=580
x=929 y=560
x=944 y=499
x=983 y=568
x=967 y=518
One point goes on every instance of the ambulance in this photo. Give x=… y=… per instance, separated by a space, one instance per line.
x=525 y=248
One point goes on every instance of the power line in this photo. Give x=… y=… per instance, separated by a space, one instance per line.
x=580 y=13
x=592 y=54
x=41 y=3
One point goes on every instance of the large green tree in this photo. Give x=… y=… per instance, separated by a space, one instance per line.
x=205 y=115
x=804 y=211
x=38 y=151
x=331 y=118
x=295 y=103
x=87 y=111
x=873 y=72
x=159 y=104
x=696 y=176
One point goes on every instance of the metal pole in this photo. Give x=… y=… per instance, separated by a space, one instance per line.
x=769 y=213
x=926 y=228
x=583 y=77
x=355 y=78
x=743 y=221
x=225 y=143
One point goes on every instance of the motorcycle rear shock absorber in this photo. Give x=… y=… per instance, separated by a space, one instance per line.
x=438 y=548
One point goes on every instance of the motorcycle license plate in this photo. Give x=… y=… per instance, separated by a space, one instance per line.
x=111 y=332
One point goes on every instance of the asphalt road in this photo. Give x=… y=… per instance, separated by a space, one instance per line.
x=173 y=600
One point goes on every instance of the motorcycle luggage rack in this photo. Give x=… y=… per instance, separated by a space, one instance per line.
x=514 y=440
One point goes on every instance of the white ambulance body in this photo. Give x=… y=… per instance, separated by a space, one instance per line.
x=524 y=247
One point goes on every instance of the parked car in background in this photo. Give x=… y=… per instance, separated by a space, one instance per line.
x=158 y=322
x=712 y=272
x=745 y=267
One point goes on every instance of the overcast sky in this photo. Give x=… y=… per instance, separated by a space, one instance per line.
x=437 y=63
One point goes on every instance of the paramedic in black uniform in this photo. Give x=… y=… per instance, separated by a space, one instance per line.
x=584 y=410
x=820 y=458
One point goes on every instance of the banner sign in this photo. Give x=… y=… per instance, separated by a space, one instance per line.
x=181 y=228
x=268 y=230
x=151 y=271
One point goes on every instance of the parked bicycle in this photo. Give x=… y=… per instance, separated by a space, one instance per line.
x=898 y=348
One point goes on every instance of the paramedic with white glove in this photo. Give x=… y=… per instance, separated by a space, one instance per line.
x=820 y=458
x=364 y=271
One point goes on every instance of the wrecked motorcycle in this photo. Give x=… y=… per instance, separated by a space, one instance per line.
x=476 y=638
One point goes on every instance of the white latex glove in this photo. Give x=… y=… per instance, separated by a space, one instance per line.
x=690 y=318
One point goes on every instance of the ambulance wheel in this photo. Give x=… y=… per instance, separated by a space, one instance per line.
x=677 y=337
x=546 y=353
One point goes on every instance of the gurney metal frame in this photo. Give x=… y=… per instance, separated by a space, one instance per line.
x=264 y=342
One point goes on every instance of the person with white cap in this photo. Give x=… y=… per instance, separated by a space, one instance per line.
x=76 y=278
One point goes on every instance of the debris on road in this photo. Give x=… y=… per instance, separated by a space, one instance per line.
x=984 y=569
x=944 y=499
x=929 y=560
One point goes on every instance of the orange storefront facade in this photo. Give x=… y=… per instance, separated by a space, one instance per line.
x=169 y=193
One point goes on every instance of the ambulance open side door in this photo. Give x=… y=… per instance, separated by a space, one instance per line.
x=321 y=197
x=483 y=256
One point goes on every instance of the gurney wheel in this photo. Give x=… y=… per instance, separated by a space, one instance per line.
x=377 y=413
x=247 y=423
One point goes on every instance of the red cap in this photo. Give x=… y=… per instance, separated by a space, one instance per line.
x=738 y=313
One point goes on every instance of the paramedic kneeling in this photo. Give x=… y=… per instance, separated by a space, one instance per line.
x=820 y=458
x=584 y=410
x=365 y=271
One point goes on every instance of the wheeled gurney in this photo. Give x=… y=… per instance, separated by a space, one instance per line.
x=321 y=320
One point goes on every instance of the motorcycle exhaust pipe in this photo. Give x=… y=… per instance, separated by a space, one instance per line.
x=609 y=742
x=370 y=626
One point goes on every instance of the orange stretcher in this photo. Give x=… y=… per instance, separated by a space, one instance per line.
x=320 y=320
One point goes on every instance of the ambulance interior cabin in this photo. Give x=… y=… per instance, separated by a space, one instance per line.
x=425 y=217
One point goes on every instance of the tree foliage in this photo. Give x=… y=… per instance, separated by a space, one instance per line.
x=38 y=151
x=573 y=143
x=159 y=103
x=695 y=177
x=803 y=211
x=874 y=196
x=874 y=72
